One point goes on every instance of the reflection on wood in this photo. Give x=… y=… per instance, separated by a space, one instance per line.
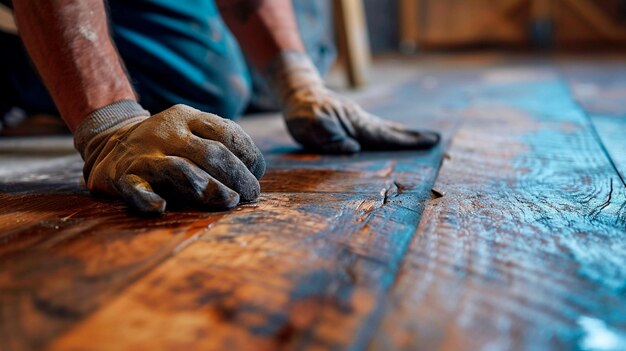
x=63 y=254
x=527 y=244
x=521 y=243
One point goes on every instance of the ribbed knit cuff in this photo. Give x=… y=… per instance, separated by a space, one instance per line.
x=110 y=117
x=289 y=71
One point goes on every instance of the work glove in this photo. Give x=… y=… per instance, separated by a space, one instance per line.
x=181 y=154
x=323 y=121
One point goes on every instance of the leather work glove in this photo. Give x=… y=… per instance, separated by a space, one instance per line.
x=181 y=154
x=321 y=120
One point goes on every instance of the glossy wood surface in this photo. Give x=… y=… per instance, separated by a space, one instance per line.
x=510 y=235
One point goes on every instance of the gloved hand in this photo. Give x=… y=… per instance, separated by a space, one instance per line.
x=180 y=154
x=321 y=120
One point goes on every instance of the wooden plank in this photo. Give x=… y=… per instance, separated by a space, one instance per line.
x=599 y=86
x=596 y=19
x=526 y=248
x=353 y=40
x=409 y=25
x=332 y=224
x=611 y=132
x=601 y=91
x=64 y=253
x=450 y=22
x=305 y=267
x=500 y=19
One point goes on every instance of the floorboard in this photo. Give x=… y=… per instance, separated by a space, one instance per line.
x=516 y=242
x=305 y=268
x=611 y=131
x=526 y=247
x=64 y=253
x=601 y=91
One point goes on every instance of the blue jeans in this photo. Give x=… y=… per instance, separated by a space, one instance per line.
x=175 y=51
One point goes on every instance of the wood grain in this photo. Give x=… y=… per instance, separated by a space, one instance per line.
x=521 y=245
x=600 y=90
x=611 y=131
x=304 y=267
x=526 y=249
x=66 y=255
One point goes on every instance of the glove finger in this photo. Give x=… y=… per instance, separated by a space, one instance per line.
x=218 y=161
x=345 y=146
x=181 y=180
x=139 y=194
x=233 y=137
x=378 y=134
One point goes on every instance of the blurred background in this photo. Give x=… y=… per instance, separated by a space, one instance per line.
x=366 y=28
x=541 y=24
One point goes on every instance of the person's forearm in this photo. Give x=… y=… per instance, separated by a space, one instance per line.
x=263 y=28
x=69 y=42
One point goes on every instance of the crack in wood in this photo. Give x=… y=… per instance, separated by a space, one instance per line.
x=392 y=190
x=596 y=211
x=436 y=194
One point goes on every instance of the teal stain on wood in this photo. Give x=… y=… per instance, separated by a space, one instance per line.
x=600 y=337
x=612 y=131
x=530 y=237
x=524 y=249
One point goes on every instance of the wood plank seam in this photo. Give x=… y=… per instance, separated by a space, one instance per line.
x=477 y=271
x=596 y=134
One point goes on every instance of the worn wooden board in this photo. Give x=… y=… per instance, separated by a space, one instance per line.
x=598 y=85
x=521 y=246
x=304 y=267
x=308 y=274
x=64 y=253
x=324 y=225
x=611 y=130
x=601 y=91
x=527 y=247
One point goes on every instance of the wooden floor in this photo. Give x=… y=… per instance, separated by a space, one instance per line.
x=511 y=235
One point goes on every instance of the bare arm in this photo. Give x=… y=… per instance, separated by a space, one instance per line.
x=69 y=42
x=263 y=28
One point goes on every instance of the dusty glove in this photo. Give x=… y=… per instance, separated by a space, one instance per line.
x=180 y=154
x=321 y=120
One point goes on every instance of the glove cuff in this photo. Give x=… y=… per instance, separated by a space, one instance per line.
x=107 y=119
x=290 y=71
